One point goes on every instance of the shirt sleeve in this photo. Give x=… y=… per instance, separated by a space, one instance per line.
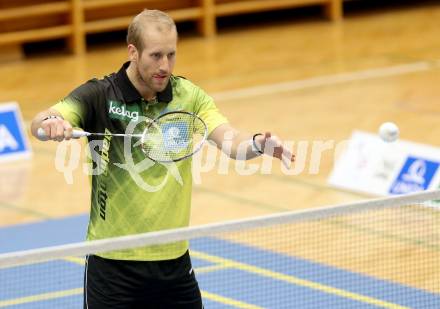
x=208 y=111
x=77 y=107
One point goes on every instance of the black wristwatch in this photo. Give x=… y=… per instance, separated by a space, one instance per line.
x=255 y=148
x=52 y=117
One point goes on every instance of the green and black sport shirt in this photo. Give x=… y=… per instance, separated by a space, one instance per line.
x=130 y=193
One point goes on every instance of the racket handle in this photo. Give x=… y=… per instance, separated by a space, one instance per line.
x=75 y=134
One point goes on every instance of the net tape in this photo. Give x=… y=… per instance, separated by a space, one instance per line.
x=174 y=235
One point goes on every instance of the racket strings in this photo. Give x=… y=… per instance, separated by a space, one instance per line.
x=173 y=137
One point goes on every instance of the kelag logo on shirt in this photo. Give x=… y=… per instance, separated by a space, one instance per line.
x=416 y=175
x=118 y=110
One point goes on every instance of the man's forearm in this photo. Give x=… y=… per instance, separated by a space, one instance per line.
x=235 y=144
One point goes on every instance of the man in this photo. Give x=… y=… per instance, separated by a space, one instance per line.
x=150 y=277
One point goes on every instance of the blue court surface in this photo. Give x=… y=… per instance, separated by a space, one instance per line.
x=230 y=275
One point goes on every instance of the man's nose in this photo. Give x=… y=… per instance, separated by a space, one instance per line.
x=164 y=65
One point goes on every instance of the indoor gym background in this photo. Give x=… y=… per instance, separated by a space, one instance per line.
x=246 y=68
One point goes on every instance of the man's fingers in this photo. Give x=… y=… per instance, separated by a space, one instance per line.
x=67 y=130
x=273 y=146
x=286 y=162
x=46 y=130
x=53 y=130
x=57 y=129
x=287 y=158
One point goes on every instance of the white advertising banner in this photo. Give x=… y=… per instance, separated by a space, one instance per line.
x=370 y=165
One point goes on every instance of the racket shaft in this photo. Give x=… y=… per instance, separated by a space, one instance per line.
x=75 y=134
x=78 y=134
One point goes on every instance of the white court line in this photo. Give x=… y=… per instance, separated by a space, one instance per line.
x=325 y=80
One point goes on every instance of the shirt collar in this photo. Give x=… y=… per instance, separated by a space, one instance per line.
x=131 y=94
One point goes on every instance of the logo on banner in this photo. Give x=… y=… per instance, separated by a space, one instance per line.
x=7 y=140
x=416 y=175
x=13 y=142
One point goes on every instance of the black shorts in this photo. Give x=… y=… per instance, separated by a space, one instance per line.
x=119 y=284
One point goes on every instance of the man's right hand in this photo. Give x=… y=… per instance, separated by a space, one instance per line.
x=56 y=129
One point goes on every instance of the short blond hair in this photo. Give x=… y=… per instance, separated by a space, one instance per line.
x=161 y=20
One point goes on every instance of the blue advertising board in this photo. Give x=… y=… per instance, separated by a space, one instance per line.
x=13 y=140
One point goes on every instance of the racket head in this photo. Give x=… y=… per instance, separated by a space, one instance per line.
x=173 y=136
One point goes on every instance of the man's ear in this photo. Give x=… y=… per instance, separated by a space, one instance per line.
x=133 y=54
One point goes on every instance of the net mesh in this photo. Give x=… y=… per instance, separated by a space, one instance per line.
x=366 y=255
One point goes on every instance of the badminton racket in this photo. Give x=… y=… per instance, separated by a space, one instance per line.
x=171 y=137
